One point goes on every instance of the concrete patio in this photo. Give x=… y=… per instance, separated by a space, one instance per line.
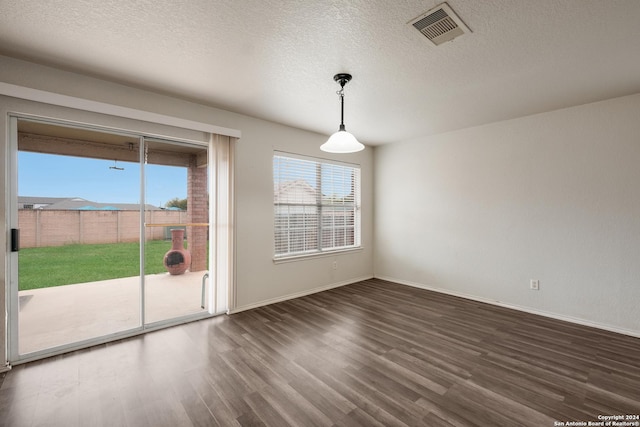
x=64 y=314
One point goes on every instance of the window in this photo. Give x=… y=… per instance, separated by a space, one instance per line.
x=316 y=205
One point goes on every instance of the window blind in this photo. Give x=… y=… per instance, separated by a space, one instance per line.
x=316 y=206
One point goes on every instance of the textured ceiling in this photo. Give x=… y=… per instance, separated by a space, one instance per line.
x=275 y=59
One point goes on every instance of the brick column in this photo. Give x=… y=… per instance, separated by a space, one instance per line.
x=197 y=212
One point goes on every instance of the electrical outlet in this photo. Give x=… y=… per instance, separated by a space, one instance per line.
x=534 y=285
x=335 y=265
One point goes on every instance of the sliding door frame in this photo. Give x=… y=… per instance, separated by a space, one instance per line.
x=20 y=99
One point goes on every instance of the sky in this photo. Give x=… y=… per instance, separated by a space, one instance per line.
x=49 y=175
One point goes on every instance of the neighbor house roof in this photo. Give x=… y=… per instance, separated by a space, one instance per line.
x=75 y=203
x=298 y=192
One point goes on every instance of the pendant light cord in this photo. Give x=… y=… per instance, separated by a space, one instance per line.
x=341 y=95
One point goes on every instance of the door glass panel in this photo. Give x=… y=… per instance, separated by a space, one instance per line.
x=79 y=221
x=176 y=230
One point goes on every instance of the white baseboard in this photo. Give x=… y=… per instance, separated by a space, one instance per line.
x=530 y=310
x=297 y=295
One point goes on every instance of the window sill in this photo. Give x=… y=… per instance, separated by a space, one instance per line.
x=303 y=257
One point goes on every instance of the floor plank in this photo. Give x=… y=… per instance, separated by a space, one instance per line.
x=374 y=353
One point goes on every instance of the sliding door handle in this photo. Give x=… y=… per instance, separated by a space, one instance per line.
x=15 y=240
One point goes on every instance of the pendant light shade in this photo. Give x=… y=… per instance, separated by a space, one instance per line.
x=342 y=141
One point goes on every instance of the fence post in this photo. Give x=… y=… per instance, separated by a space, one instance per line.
x=80 y=227
x=38 y=228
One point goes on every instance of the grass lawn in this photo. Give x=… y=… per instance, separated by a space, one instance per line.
x=64 y=265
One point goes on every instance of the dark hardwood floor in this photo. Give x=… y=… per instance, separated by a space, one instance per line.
x=373 y=354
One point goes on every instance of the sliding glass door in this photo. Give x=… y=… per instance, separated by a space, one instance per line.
x=79 y=250
x=110 y=235
x=176 y=231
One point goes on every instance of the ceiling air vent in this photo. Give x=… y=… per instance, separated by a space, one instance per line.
x=440 y=24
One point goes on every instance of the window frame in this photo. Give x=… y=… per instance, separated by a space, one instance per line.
x=322 y=205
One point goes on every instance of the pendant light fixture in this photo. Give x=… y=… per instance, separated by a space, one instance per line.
x=342 y=141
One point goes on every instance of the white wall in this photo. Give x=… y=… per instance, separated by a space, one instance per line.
x=554 y=197
x=258 y=279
